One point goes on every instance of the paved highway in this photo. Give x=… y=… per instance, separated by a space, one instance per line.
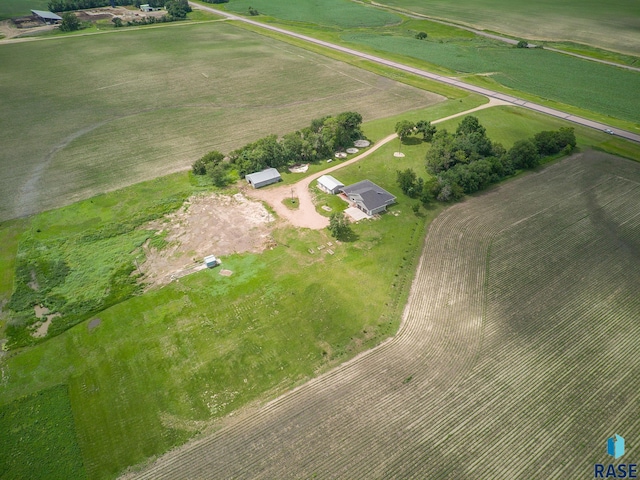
x=439 y=78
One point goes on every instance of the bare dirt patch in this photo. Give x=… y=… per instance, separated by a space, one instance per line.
x=42 y=328
x=206 y=225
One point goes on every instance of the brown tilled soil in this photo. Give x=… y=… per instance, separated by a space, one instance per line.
x=206 y=225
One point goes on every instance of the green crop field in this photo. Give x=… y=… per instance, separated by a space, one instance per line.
x=75 y=122
x=549 y=75
x=610 y=25
x=328 y=13
x=39 y=437
x=17 y=8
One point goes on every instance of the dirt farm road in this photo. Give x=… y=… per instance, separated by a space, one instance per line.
x=432 y=76
x=306 y=215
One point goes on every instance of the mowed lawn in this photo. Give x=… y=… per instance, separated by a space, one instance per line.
x=610 y=25
x=88 y=114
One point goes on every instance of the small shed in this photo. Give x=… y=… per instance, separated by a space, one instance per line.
x=211 y=261
x=47 y=17
x=329 y=184
x=263 y=178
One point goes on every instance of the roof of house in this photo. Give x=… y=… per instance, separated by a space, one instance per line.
x=263 y=176
x=329 y=182
x=371 y=195
x=46 y=15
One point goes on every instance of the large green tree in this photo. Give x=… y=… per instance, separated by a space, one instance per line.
x=404 y=128
x=426 y=129
x=339 y=226
x=524 y=154
x=70 y=22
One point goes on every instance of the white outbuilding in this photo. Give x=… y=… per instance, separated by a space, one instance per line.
x=329 y=184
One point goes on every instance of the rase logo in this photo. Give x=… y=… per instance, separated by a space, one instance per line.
x=615 y=448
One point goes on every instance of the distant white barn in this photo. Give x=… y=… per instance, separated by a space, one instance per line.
x=329 y=184
x=263 y=178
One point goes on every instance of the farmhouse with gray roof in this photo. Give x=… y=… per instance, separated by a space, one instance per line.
x=263 y=178
x=369 y=197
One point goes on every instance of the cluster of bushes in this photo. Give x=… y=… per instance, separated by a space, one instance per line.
x=467 y=161
x=214 y=166
x=323 y=137
x=405 y=128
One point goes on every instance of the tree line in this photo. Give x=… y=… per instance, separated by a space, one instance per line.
x=67 y=5
x=176 y=9
x=468 y=161
x=319 y=140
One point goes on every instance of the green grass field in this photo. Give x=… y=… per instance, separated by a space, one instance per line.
x=608 y=25
x=160 y=367
x=74 y=122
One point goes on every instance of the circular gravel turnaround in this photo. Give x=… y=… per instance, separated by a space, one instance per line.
x=361 y=143
x=352 y=150
x=523 y=306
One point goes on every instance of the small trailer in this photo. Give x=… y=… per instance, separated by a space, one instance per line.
x=211 y=261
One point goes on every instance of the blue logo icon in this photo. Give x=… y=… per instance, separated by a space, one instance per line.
x=615 y=446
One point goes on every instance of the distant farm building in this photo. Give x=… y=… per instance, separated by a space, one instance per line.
x=263 y=178
x=368 y=197
x=329 y=184
x=49 y=18
x=211 y=261
x=148 y=8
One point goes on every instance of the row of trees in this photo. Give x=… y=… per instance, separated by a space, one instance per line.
x=310 y=144
x=468 y=161
x=317 y=141
x=68 y=5
x=176 y=9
